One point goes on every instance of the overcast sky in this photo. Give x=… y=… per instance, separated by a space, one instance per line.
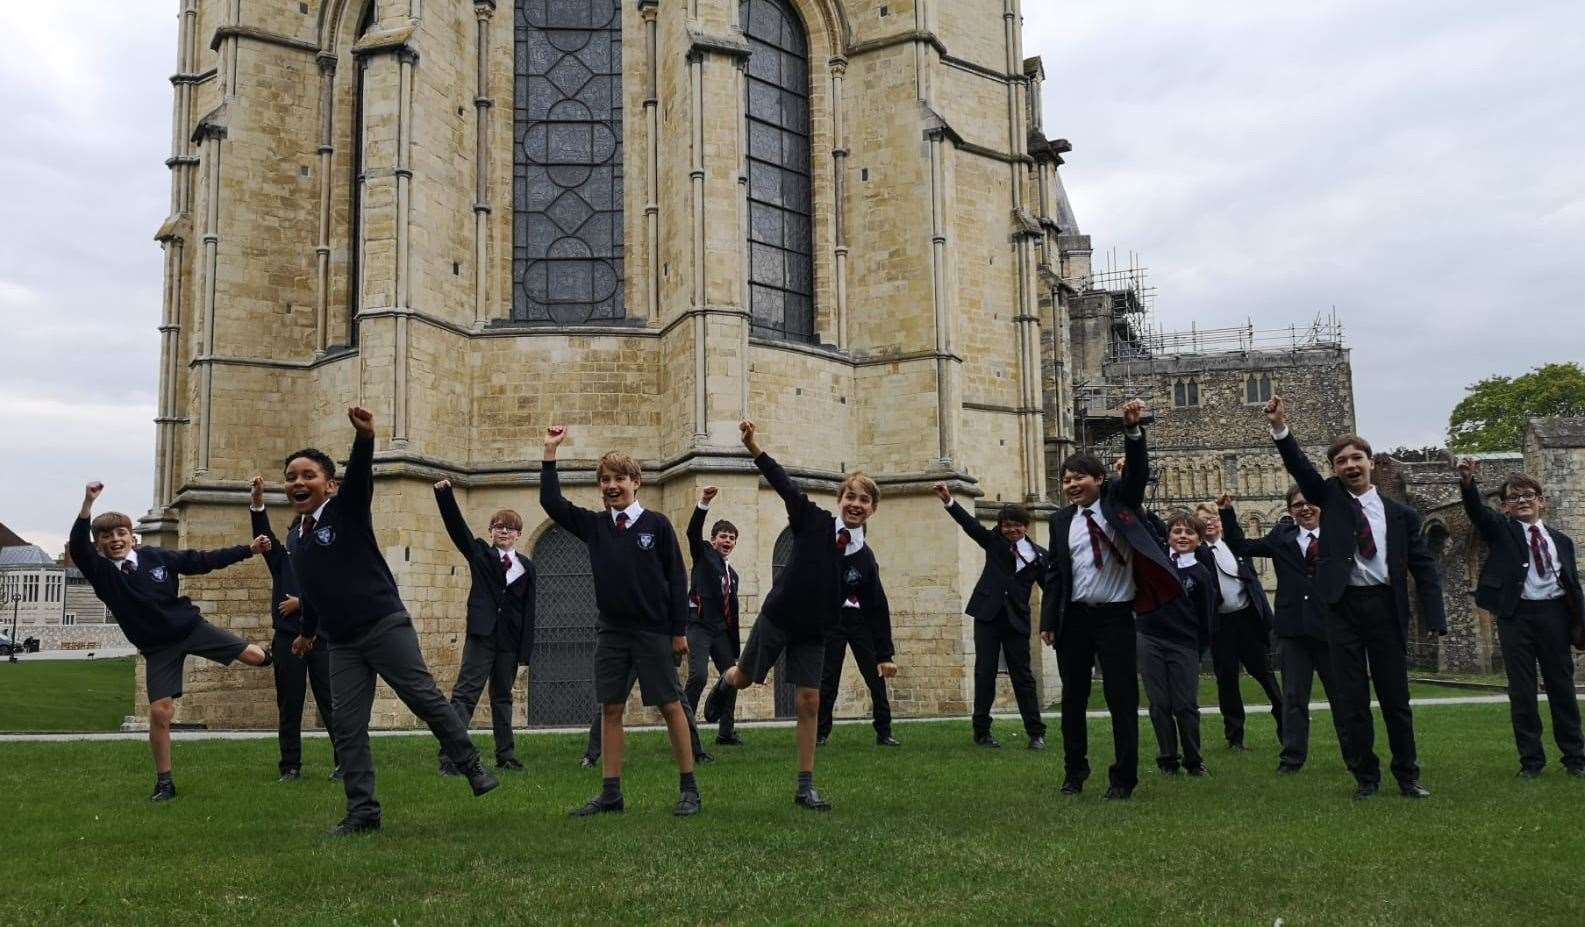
x=1419 y=164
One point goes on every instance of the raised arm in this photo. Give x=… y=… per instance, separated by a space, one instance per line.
x=561 y=511
x=1487 y=522
x=1427 y=577
x=80 y=543
x=1136 y=459
x=199 y=562
x=971 y=526
x=259 y=526
x=1310 y=481
x=1233 y=534
x=696 y=542
x=798 y=504
x=451 y=515
x=357 y=484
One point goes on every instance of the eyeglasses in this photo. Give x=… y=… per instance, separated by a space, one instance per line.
x=503 y=528
x=1522 y=497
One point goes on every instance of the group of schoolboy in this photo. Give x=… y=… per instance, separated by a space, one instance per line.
x=1141 y=596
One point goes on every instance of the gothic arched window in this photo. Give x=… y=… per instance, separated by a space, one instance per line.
x=561 y=673
x=781 y=208
x=567 y=162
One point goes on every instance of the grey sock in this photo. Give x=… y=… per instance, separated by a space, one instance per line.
x=611 y=788
x=806 y=781
x=163 y=776
x=687 y=783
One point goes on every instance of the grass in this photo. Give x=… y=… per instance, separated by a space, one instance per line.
x=938 y=831
x=65 y=695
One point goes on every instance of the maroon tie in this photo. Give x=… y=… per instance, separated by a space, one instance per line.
x=1309 y=556
x=307 y=526
x=621 y=522
x=843 y=537
x=1362 y=532
x=506 y=563
x=1539 y=555
x=726 y=595
x=1097 y=538
x=128 y=568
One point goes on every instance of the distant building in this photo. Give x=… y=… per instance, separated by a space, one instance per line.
x=51 y=600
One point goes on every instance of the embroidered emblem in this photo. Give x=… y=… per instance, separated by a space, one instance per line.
x=646 y=541
x=852 y=576
x=325 y=535
x=157 y=574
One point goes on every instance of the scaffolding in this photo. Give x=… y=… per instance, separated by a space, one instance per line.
x=1325 y=330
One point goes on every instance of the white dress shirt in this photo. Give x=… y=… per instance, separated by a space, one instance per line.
x=1233 y=595
x=515 y=569
x=855 y=537
x=1537 y=588
x=1185 y=561
x=1305 y=534
x=1372 y=572
x=1114 y=581
x=632 y=512
x=132 y=555
x=1024 y=552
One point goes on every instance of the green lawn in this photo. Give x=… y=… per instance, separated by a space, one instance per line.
x=65 y=695
x=937 y=831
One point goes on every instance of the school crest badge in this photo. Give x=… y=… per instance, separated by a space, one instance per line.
x=646 y=541
x=325 y=535
x=158 y=574
x=852 y=576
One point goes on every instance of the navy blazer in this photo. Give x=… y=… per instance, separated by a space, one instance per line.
x=1508 y=560
x=1155 y=576
x=708 y=605
x=1406 y=549
x=490 y=600
x=1298 y=611
x=283 y=582
x=1247 y=578
x=1003 y=587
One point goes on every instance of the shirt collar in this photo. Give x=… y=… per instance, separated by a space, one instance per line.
x=132 y=555
x=1185 y=560
x=633 y=511
x=855 y=535
x=1538 y=524
x=318 y=513
x=1369 y=497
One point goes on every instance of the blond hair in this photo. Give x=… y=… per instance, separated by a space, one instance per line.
x=860 y=482
x=619 y=464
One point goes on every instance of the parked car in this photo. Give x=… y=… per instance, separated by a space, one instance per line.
x=9 y=647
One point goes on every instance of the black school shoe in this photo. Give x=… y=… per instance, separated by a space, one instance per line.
x=887 y=740
x=351 y=827
x=1529 y=772
x=588 y=762
x=1037 y=742
x=511 y=764
x=687 y=804
x=1287 y=769
x=1072 y=786
x=821 y=739
x=1413 y=789
x=164 y=790
x=987 y=741
x=811 y=799
x=729 y=740
x=1366 y=790
x=269 y=658
x=1199 y=772
x=336 y=775
x=290 y=774
x=1119 y=793
x=703 y=759
x=1577 y=772
x=478 y=779
x=712 y=702
x=598 y=805
x=448 y=768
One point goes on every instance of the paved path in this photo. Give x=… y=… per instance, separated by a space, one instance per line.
x=743 y=725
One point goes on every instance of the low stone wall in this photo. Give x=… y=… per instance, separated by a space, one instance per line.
x=75 y=636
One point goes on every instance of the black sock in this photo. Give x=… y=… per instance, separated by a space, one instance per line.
x=163 y=776
x=611 y=788
x=687 y=783
x=806 y=781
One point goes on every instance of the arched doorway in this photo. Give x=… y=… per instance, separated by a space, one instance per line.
x=783 y=691
x=561 y=673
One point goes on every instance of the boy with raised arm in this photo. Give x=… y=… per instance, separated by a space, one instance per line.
x=1530 y=581
x=1364 y=559
x=1293 y=547
x=1171 y=639
x=999 y=606
x=500 y=622
x=141 y=587
x=293 y=674
x=641 y=589
x=1243 y=629
x=802 y=605
x=713 y=615
x=1106 y=566
x=350 y=598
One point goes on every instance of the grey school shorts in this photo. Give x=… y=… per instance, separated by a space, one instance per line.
x=164 y=666
x=622 y=653
x=765 y=645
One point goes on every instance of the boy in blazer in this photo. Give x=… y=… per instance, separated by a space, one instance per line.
x=1363 y=562
x=1243 y=628
x=350 y=598
x=1171 y=639
x=1292 y=546
x=1105 y=567
x=500 y=622
x=864 y=625
x=141 y=586
x=1530 y=582
x=641 y=590
x=713 y=608
x=293 y=674
x=802 y=605
x=999 y=606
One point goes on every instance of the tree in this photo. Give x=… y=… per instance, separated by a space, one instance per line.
x=1492 y=416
